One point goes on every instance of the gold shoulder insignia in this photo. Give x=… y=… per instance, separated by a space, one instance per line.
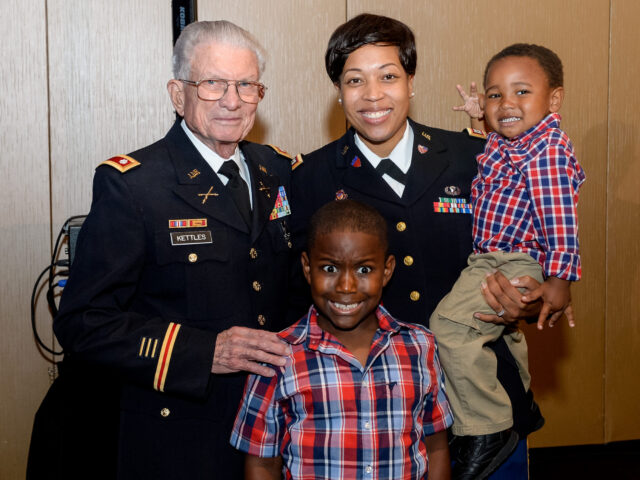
x=280 y=151
x=122 y=163
x=474 y=132
x=296 y=161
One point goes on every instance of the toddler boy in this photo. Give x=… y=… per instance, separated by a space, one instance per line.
x=361 y=394
x=524 y=223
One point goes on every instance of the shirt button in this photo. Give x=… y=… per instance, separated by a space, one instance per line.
x=256 y=286
x=253 y=253
x=415 y=296
x=408 y=260
x=193 y=257
x=261 y=320
x=165 y=412
x=401 y=226
x=367 y=425
x=369 y=469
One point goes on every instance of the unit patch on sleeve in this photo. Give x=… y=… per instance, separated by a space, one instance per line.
x=281 y=207
x=451 y=205
x=122 y=163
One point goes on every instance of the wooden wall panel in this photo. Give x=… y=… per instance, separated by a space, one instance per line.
x=108 y=67
x=110 y=63
x=455 y=39
x=300 y=112
x=24 y=227
x=622 y=363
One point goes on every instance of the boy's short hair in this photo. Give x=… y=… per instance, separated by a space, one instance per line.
x=548 y=60
x=347 y=215
x=368 y=29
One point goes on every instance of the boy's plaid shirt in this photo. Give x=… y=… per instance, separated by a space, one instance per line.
x=525 y=198
x=330 y=417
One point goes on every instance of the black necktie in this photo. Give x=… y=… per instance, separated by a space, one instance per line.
x=391 y=169
x=238 y=189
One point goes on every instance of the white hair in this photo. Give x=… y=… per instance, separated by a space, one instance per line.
x=220 y=31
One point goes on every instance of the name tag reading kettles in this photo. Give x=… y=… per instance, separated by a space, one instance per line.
x=191 y=238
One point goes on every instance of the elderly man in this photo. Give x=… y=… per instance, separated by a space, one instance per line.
x=180 y=270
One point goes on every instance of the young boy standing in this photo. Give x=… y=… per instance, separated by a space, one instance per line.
x=524 y=223
x=361 y=395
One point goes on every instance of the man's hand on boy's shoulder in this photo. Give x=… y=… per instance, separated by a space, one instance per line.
x=245 y=349
x=505 y=297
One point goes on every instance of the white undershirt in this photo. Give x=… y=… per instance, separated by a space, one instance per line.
x=400 y=155
x=215 y=161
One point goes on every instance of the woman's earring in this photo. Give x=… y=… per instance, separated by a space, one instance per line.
x=340 y=100
x=413 y=94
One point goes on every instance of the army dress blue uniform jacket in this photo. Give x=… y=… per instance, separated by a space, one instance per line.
x=164 y=263
x=429 y=227
x=431 y=248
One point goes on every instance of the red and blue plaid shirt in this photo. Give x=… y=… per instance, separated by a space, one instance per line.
x=330 y=417
x=525 y=198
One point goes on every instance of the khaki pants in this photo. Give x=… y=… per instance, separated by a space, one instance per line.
x=479 y=402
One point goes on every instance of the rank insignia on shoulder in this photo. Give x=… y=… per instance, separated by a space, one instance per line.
x=296 y=161
x=280 y=151
x=341 y=195
x=451 y=205
x=281 y=207
x=474 y=132
x=122 y=163
x=148 y=347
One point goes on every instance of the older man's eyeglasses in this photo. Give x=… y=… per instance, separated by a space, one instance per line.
x=216 y=88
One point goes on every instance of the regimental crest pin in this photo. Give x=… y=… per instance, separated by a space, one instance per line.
x=356 y=162
x=422 y=149
x=452 y=190
x=341 y=195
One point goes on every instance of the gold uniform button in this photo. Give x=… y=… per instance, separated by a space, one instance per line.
x=256 y=286
x=408 y=260
x=165 y=412
x=401 y=226
x=253 y=253
x=193 y=257
x=415 y=296
x=261 y=320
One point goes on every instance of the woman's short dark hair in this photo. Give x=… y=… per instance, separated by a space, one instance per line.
x=368 y=29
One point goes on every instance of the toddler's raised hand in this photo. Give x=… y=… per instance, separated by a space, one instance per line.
x=473 y=102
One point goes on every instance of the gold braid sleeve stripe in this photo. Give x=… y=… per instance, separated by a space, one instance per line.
x=165 y=356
